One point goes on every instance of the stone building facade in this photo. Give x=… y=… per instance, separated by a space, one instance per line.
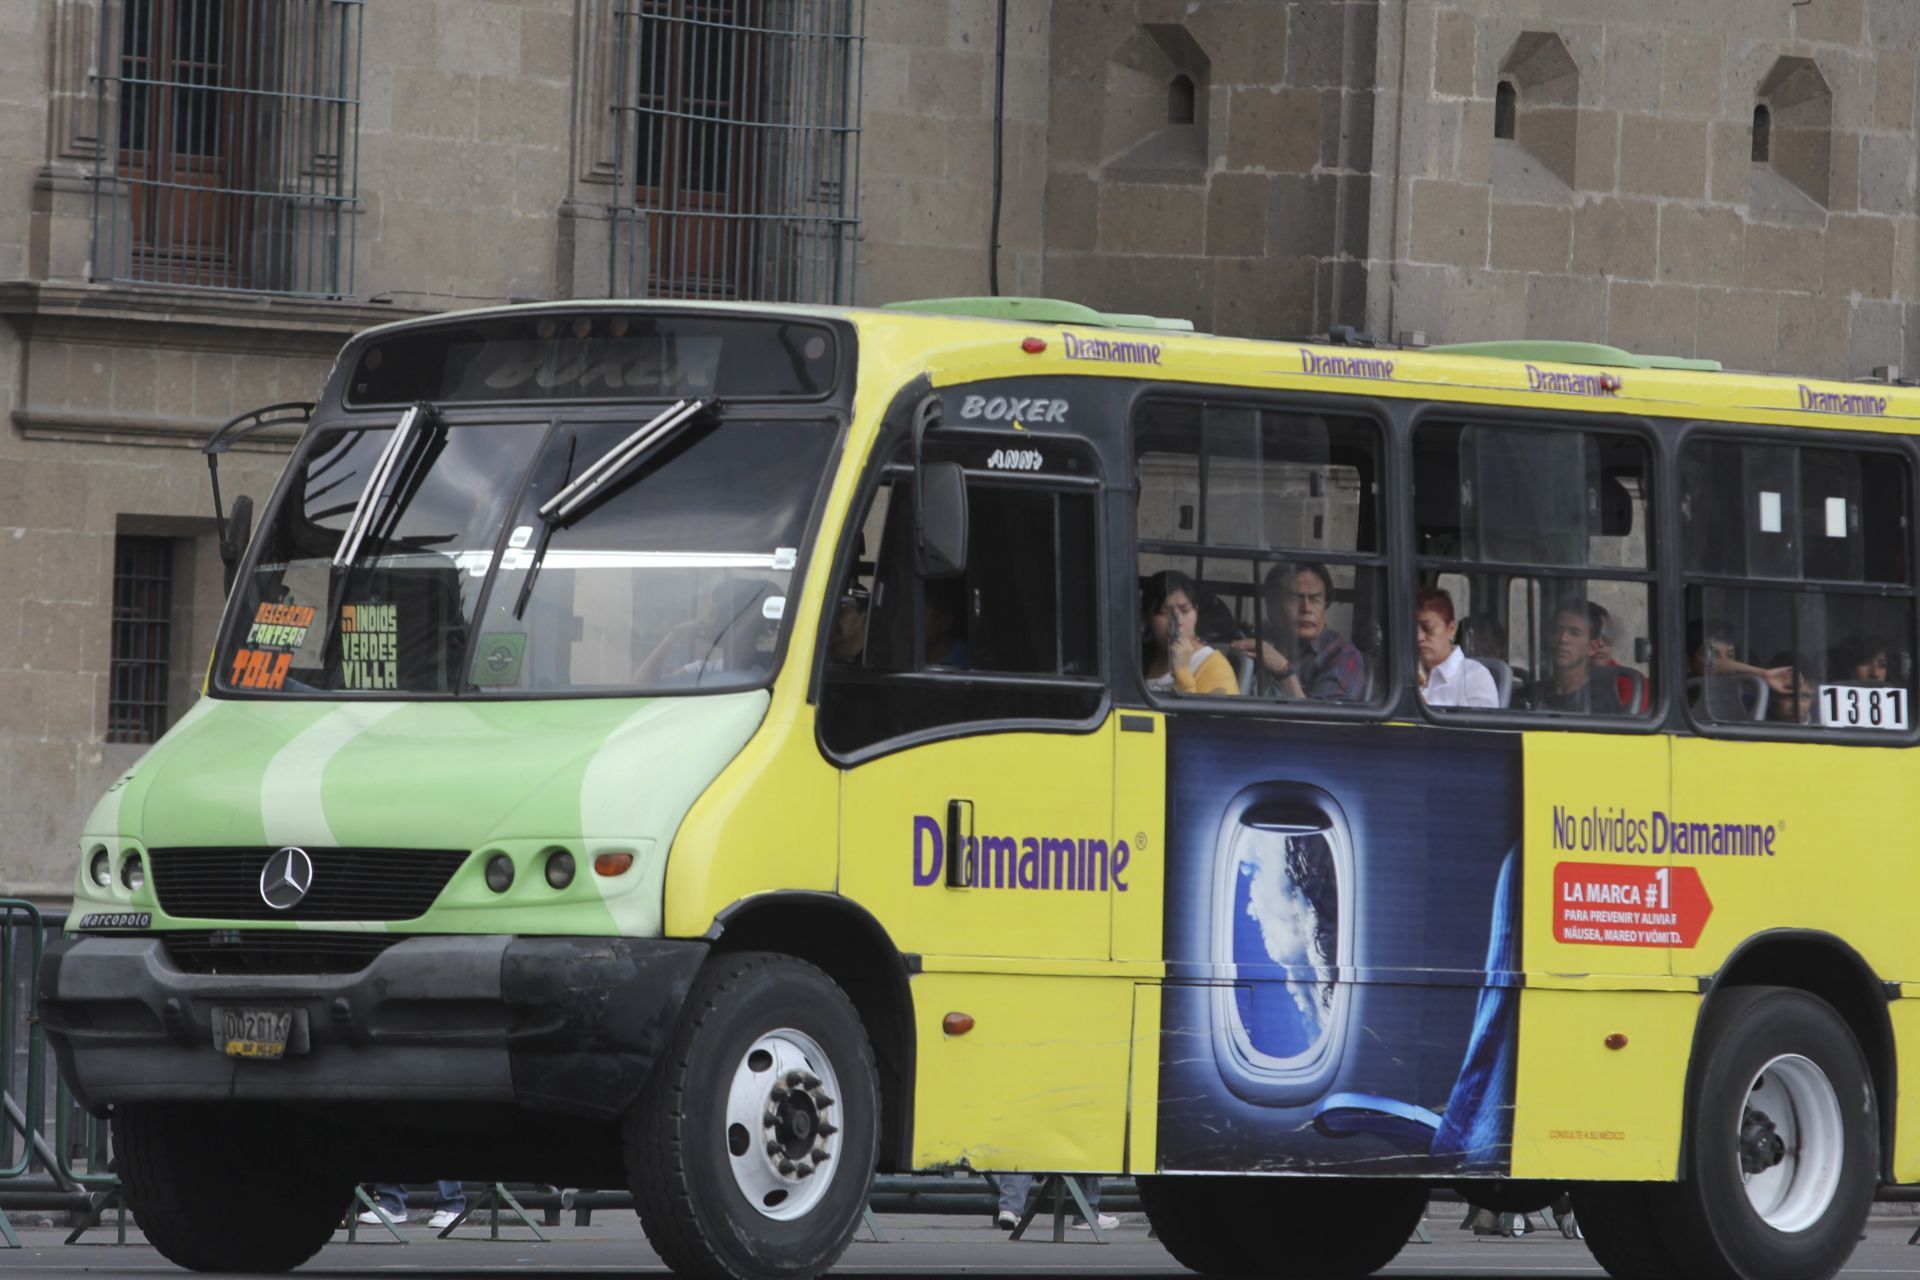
x=1724 y=178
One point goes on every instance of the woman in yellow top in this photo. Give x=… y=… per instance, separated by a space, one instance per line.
x=1177 y=660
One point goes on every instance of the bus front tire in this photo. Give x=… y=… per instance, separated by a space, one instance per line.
x=1283 y=1228
x=1782 y=1143
x=751 y=1149
x=188 y=1173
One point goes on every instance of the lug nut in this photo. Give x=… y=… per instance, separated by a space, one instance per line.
x=793 y=1080
x=786 y=1166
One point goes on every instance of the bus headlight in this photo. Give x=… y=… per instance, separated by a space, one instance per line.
x=132 y=874
x=559 y=869
x=100 y=870
x=499 y=873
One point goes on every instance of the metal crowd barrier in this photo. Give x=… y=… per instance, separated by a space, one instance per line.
x=53 y=1155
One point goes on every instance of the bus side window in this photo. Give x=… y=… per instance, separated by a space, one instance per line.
x=1822 y=634
x=1570 y=633
x=1262 y=525
x=1015 y=637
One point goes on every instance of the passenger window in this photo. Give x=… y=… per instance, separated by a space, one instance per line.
x=1259 y=565
x=1537 y=585
x=1016 y=637
x=1799 y=592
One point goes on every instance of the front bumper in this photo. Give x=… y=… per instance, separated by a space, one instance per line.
x=554 y=1024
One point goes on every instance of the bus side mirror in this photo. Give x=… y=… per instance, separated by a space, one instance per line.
x=942 y=550
x=234 y=536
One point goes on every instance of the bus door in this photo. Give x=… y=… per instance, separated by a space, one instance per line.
x=977 y=799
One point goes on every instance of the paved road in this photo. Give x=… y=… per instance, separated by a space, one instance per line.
x=916 y=1246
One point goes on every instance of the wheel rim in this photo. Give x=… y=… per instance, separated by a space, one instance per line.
x=782 y=1135
x=1790 y=1143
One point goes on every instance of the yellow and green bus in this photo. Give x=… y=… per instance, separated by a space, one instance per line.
x=727 y=750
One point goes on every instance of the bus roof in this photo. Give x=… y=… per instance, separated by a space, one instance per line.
x=959 y=339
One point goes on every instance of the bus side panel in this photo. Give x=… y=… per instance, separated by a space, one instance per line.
x=1040 y=1082
x=1589 y=1112
x=1905 y=1013
x=1796 y=836
x=1342 y=914
x=1143 y=1085
x=769 y=822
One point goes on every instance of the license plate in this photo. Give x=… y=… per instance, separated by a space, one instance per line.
x=257 y=1033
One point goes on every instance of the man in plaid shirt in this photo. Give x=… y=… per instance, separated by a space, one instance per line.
x=1316 y=661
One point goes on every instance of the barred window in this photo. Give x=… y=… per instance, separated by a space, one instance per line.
x=234 y=141
x=737 y=153
x=142 y=638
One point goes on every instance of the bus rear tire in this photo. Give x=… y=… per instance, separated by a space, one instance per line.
x=189 y=1174
x=1283 y=1228
x=1617 y=1220
x=1782 y=1144
x=751 y=1148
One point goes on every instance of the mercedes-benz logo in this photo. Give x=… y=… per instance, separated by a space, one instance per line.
x=285 y=879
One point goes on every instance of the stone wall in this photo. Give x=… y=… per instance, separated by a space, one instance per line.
x=1636 y=212
x=926 y=159
x=1249 y=218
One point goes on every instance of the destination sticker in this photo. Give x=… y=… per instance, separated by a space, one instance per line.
x=1600 y=904
x=117 y=920
x=1372 y=367
x=280 y=626
x=259 y=669
x=369 y=646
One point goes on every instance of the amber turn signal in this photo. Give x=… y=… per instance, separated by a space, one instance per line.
x=957 y=1024
x=612 y=864
x=1616 y=1041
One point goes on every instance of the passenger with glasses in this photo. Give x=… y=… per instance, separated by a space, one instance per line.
x=1301 y=656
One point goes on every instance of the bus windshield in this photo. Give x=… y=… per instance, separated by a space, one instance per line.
x=413 y=560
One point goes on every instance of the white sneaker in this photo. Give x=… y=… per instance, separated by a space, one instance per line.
x=441 y=1219
x=368 y=1218
x=1006 y=1220
x=1106 y=1220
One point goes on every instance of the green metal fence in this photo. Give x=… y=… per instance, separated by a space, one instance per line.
x=53 y=1155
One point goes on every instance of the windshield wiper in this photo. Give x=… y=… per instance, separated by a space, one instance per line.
x=578 y=496
x=383 y=469
x=546 y=537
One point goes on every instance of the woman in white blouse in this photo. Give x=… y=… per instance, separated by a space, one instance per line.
x=1448 y=677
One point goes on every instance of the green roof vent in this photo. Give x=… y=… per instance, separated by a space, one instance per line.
x=1039 y=311
x=1594 y=353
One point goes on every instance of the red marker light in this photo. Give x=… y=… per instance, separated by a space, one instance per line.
x=957 y=1024
x=1616 y=1041
x=1034 y=346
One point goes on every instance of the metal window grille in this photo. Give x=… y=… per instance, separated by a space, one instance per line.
x=737 y=149
x=229 y=144
x=142 y=638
